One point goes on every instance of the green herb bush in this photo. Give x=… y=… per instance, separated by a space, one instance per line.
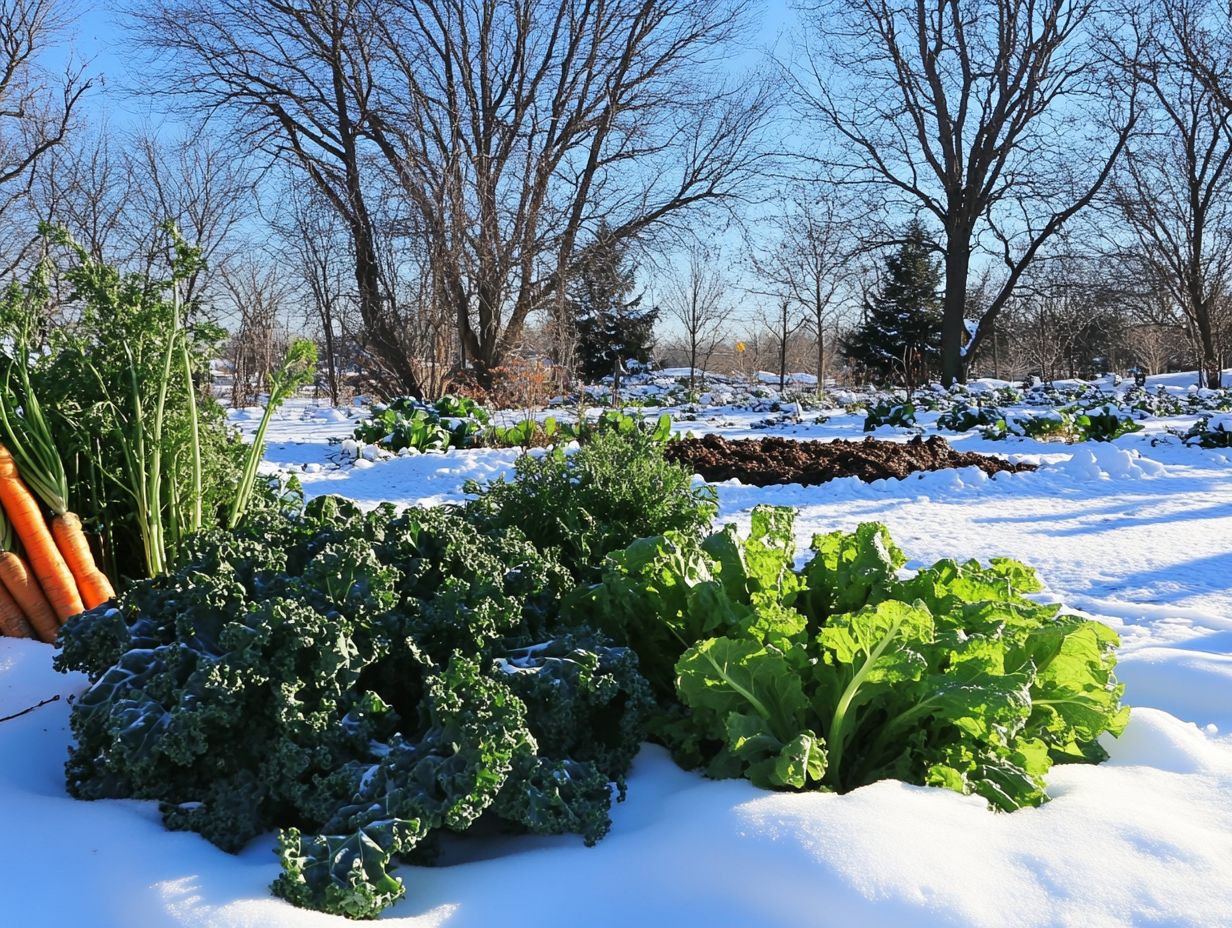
x=123 y=381
x=583 y=505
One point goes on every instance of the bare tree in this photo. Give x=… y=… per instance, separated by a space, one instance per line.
x=510 y=128
x=515 y=128
x=812 y=264
x=314 y=250
x=993 y=116
x=202 y=186
x=1065 y=320
x=424 y=322
x=293 y=79
x=1174 y=188
x=119 y=194
x=782 y=326
x=1044 y=331
x=697 y=302
x=36 y=110
x=259 y=299
x=1153 y=346
x=83 y=186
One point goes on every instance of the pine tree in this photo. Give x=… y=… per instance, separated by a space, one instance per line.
x=612 y=327
x=899 y=337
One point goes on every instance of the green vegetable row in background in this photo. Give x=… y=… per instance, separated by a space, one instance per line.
x=1100 y=422
x=460 y=422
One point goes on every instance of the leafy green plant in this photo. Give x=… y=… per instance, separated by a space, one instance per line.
x=148 y=457
x=535 y=433
x=842 y=672
x=1157 y=402
x=460 y=407
x=1049 y=425
x=403 y=424
x=617 y=487
x=1210 y=432
x=963 y=417
x=890 y=412
x=526 y=433
x=1006 y=396
x=360 y=682
x=658 y=430
x=1103 y=422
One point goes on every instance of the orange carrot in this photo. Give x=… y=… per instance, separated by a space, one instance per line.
x=29 y=596
x=45 y=559
x=70 y=538
x=12 y=620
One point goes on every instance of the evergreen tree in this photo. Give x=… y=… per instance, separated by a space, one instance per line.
x=899 y=337
x=612 y=327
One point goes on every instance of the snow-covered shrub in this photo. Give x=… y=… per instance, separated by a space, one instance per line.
x=963 y=417
x=1214 y=431
x=890 y=412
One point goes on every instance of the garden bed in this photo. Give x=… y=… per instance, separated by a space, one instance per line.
x=773 y=460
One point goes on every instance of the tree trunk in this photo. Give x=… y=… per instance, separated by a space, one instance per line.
x=1209 y=372
x=821 y=360
x=953 y=310
x=783 y=359
x=331 y=359
x=996 y=356
x=692 y=363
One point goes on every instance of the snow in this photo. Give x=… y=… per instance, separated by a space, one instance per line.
x=1136 y=533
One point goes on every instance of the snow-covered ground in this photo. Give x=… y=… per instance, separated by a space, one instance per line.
x=1137 y=533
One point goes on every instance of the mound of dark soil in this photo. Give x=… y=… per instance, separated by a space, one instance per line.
x=765 y=461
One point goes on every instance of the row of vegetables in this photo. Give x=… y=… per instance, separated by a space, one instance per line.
x=1096 y=419
x=364 y=683
x=407 y=425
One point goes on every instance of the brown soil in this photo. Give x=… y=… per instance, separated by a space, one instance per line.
x=765 y=461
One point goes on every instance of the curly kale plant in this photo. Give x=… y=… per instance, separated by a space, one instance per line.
x=584 y=505
x=361 y=682
x=843 y=673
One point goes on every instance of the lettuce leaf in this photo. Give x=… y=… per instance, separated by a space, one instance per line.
x=844 y=672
